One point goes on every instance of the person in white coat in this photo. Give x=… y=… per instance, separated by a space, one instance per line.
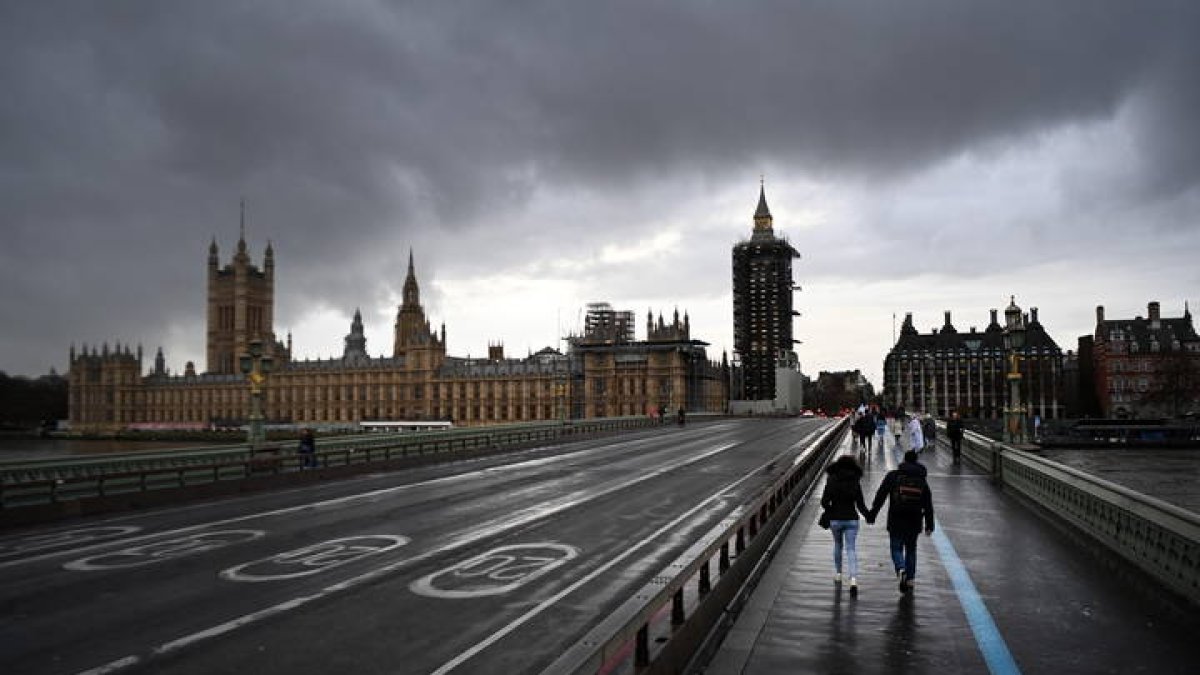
x=916 y=437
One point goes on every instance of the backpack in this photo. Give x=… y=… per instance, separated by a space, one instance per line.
x=908 y=492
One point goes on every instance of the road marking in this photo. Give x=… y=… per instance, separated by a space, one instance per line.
x=41 y=542
x=287 y=510
x=113 y=666
x=497 y=571
x=309 y=560
x=161 y=551
x=987 y=635
x=502 y=523
x=550 y=602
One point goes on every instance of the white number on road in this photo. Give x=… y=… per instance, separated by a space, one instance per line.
x=312 y=559
x=161 y=551
x=500 y=570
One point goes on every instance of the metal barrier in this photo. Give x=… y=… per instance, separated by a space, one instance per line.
x=39 y=482
x=735 y=548
x=1161 y=539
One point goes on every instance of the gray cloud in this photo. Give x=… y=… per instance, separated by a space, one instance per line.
x=128 y=131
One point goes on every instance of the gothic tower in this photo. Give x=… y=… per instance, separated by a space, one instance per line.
x=241 y=301
x=416 y=343
x=762 y=305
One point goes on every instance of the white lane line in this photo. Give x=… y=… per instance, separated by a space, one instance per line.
x=499 y=524
x=112 y=666
x=313 y=505
x=553 y=600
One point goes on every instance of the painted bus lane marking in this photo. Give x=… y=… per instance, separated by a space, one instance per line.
x=315 y=558
x=39 y=543
x=162 y=551
x=500 y=570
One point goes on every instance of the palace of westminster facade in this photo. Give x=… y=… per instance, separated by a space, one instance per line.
x=605 y=372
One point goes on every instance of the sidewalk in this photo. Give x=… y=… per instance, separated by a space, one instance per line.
x=998 y=589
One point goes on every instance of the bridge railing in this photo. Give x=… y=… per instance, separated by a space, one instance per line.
x=699 y=586
x=52 y=481
x=1159 y=538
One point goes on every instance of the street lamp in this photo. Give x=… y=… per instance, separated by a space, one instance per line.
x=1014 y=342
x=933 y=406
x=255 y=366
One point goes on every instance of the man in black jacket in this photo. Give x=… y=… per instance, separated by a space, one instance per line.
x=910 y=504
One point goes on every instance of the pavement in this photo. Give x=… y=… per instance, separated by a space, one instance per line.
x=1000 y=588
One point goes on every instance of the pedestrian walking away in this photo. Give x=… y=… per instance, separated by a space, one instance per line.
x=929 y=431
x=307 y=449
x=916 y=437
x=954 y=431
x=843 y=501
x=910 y=506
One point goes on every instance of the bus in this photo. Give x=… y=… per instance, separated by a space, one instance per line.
x=401 y=427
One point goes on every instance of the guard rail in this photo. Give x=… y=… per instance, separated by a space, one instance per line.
x=1158 y=538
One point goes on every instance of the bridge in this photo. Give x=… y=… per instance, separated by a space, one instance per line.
x=656 y=549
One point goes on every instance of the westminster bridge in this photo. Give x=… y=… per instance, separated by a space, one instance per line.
x=655 y=548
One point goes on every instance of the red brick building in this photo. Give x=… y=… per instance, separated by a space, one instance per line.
x=1146 y=367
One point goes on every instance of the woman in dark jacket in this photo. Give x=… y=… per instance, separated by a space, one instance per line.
x=843 y=501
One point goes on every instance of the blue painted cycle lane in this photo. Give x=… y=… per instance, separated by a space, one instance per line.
x=999 y=590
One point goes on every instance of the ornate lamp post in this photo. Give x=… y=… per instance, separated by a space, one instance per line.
x=255 y=366
x=1014 y=343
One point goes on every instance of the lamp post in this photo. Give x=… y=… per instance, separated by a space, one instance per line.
x=933 y=406
x=255 y=366
x=1014 y=342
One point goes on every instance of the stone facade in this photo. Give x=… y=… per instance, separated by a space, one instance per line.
x=946 y=370
x=599 y=376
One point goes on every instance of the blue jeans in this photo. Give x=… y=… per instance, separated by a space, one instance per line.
x=904 y=553
x=845 y=531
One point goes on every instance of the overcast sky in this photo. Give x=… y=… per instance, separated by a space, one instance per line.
x=537 y=156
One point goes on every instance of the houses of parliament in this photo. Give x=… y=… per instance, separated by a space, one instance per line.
x=606 y=372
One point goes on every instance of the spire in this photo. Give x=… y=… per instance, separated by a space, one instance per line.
x=212 y=252
x=762 y=215
x=241 y=245
x=412 y=294
x=762 y=211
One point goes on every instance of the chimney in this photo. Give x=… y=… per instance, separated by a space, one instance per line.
x=496 y=351
x=1154 y=315
x=993 y=313
x=1099 y=314
x=1033 y=315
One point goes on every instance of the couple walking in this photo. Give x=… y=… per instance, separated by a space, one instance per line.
x=910 y=505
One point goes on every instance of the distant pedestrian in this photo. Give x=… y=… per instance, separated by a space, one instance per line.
x=929 y=431
x=1037 y=427
x=307 y=449
x=910 y=505
x=843 y=501
x=954 y=431
x=897 y=424
x=864 y=430
x=916 y=437
x=881 y=429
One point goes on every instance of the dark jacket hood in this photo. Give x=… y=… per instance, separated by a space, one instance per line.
x=845 y=467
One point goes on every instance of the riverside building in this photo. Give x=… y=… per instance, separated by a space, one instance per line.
x=605 y=372
x=945 y=370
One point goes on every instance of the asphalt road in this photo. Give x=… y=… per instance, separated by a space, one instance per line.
x=493 y=565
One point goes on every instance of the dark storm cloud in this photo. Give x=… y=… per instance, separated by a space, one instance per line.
x=129 y=130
